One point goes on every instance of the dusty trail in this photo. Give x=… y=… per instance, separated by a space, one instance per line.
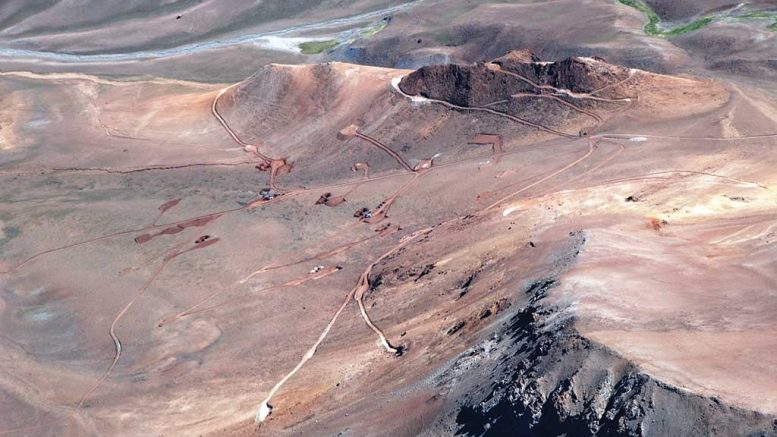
x=593 y=169
x=276 y=166
x=670 y=180
x=357 y=293
x=148 y=168
x=293 y=283
x=620 y=136
x=265 y=408
x=489 y=194
x=381 y=212
x=117 y=234
x=612 y=156
x=379 y=233
x=99 y=170
x=362 y=286
x=583 y=111
x=589 y=96
x=395 y=85
x=632 y=73
x=591 y=148
x=597 y=99
x=386 y=149
x=353 y=131
x=498 y=68
x=115 y=338
x=576 y=108
x=653 y=175
x=250 y=205
x=729 y=178
x=590 y=151
x=621 y=149
x=505 y=115
x=225 y=125
x=172 y=254
x=300 y=191
x=317 y=256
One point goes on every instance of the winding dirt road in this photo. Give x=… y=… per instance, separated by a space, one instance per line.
x=265 y=408
x=362 y=285
x=386 y=149
x=525 y=122
x=171 y=255
x=566 y=92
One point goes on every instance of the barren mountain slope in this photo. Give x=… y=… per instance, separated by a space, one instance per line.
x=224 y=265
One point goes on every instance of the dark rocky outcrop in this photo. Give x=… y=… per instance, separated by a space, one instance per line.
x=542 y=378
x=463 y=85
x=482 y=84
x=581 y=75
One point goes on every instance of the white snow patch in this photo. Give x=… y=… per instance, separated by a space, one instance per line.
x=509 y=211
x=415 y=99
x=284 y=44
x=263 y=412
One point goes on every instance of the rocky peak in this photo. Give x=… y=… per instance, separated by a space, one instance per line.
x=515 y=72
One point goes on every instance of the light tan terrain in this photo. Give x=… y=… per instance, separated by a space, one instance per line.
x=510 y=246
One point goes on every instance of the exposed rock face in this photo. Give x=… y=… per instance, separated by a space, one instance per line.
x=482 y=84
x=581 y=75
x=463 y=85
x=544 y=379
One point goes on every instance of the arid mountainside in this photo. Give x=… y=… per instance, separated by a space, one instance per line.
x=565 y=247
x=565 y=97
x=388 y=218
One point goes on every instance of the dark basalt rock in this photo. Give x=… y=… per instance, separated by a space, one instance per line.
x=548 y=380
x=477 y=84
x=462 y=85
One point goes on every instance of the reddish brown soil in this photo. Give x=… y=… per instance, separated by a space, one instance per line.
x=328 y=321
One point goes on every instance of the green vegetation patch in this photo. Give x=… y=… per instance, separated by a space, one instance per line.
x=653 y=27
x=316 y=47
x=372 y=30
x=690 y=27
x=755 y=15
